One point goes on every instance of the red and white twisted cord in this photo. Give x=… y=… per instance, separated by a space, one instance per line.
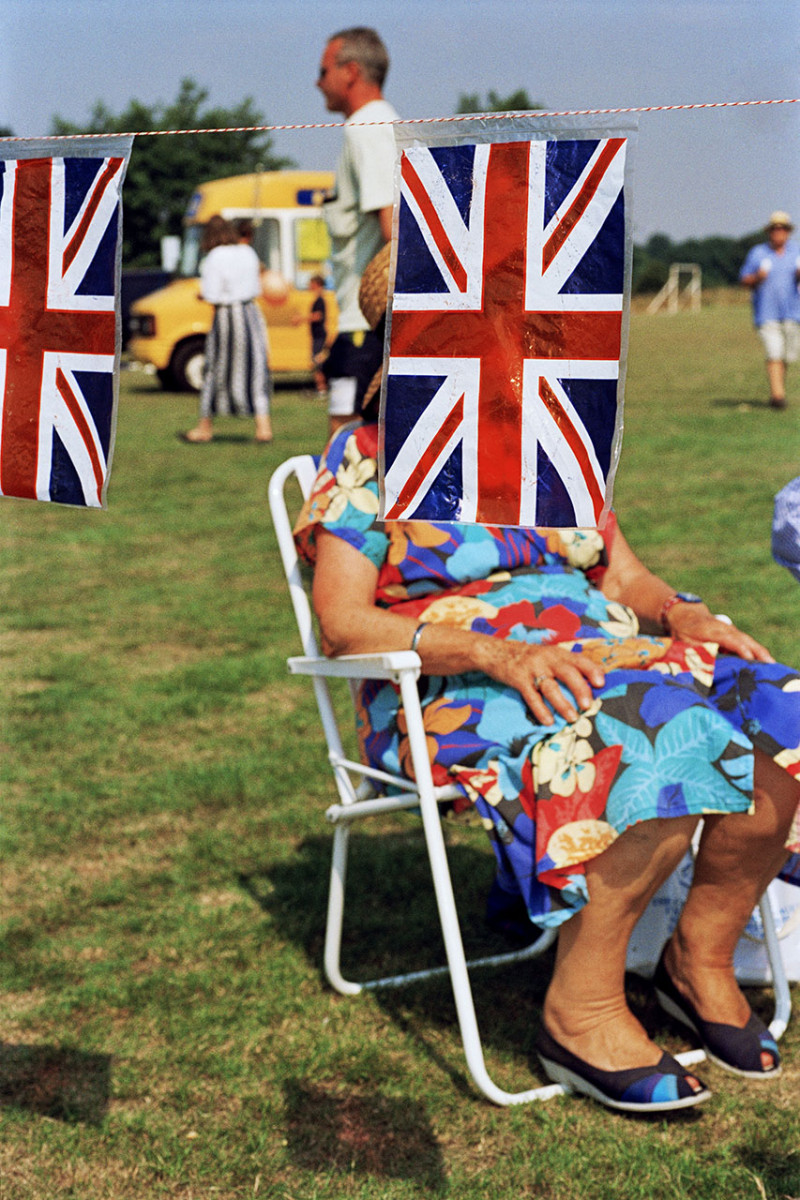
x=459 y=117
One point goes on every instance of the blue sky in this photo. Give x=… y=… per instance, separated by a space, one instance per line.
x=697 y=173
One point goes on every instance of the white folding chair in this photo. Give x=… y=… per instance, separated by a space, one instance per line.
x=364 y=792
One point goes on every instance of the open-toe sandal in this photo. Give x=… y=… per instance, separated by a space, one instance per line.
x=736 y=1050
x=664 y=1087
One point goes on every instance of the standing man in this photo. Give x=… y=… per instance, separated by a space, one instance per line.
x=772 y=272
x=359 y=215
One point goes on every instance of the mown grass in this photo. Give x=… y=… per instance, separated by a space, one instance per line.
x=164 y=1028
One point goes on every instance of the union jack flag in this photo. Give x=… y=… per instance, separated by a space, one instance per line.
x=501 y=403
x=59 y=265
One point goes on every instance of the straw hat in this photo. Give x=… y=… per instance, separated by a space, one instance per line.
x=373 y=297
x=780 y=220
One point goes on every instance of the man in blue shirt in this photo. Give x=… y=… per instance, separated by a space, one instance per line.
x=772 y=272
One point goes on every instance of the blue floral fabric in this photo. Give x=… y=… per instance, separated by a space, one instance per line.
x=670 y=733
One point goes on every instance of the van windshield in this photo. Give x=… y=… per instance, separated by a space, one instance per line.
x=266 y=242
x=189 y=263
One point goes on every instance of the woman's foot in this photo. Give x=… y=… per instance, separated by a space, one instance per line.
x=611 y=1040
x=661 y=1087
x=202 y=432
x=711 y=1004
x=712 y=991
x=194 y=437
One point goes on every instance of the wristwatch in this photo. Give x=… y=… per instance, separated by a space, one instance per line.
x=676 y=598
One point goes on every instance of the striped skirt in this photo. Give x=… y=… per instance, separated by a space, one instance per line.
x=237 y=376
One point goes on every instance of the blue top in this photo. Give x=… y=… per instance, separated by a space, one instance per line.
x=776 y=298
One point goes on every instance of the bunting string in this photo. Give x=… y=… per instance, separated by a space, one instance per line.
x=455 y=119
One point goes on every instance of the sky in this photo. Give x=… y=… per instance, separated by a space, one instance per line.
x=697 y=173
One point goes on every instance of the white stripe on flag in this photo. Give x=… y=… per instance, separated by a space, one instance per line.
x=540 y=429
x=462 y=379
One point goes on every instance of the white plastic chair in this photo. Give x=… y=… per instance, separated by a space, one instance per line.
x=363 y=793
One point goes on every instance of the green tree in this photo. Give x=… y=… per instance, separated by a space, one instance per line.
x=518 y=101
x=649 y=274
x=660 y=246
x=164 y=171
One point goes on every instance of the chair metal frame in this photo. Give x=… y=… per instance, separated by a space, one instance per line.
x=363 y=793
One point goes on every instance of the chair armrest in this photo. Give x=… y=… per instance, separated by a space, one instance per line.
x=389 y=665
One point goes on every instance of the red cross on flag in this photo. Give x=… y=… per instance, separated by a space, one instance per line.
x=502 y=401
x=60 y=229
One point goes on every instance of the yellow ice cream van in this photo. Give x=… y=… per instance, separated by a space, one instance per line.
x=168 y=327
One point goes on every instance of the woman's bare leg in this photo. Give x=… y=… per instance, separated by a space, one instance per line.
x=776 y=374
x=585 y=1008
x=739 y=854
x=263 y=428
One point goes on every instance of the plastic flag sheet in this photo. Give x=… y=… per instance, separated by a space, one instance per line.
x=505 y=345
x=60 y=248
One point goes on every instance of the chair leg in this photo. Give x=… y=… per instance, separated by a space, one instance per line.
x=335 y=919
x=459 y=978
x=451 y=932
x=780 y=983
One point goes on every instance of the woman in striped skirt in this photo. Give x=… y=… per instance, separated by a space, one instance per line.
x=237 y=377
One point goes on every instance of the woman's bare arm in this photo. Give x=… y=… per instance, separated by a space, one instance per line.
x=630 y=582
x=351 y=623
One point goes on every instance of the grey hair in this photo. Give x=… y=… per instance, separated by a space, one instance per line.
x=362 y=45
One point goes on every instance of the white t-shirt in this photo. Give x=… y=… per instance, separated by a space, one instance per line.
x=229 y=274
x=364 y=184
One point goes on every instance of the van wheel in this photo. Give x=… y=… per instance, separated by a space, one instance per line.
x=187 y=364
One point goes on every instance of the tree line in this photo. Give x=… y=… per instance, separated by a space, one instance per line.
x=720 y=259
x=163 y=173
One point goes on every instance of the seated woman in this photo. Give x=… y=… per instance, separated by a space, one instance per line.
x=590 y=751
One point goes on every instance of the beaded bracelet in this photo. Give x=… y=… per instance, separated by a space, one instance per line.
x=418 y=634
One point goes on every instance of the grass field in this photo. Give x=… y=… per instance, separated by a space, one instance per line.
x=164 y=1027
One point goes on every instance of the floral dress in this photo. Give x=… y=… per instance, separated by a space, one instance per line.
x=671 y=731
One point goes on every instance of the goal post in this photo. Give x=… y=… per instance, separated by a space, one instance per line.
x=682 y=289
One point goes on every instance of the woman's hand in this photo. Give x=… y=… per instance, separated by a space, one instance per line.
x=628 y=581
x=547 y=677
x=694 y=623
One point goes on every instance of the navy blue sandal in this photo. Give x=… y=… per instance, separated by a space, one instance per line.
x=736 y=1050
x=664 y=1087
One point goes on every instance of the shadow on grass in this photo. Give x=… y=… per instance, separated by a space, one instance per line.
x=778 y=1169
x=67 y=1085
x=221 y=439
x=362 y=1132
x=740 y=402
x=392 y=926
